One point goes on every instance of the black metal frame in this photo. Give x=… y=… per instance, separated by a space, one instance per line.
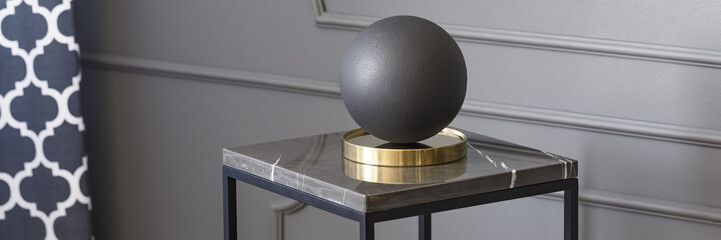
x=423 y=210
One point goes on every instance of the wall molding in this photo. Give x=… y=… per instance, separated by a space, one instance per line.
x=644 y=51
x=663 y=132
x=587 y=122
x=209 y=74
x=602 y=199
x=644 y=205
x=617 y=126
x=282 y=207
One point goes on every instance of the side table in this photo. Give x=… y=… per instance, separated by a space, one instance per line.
x=311 y=170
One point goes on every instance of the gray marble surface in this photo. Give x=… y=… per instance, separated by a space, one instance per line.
x=315 y=165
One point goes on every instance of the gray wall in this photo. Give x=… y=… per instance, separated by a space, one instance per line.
x=631 y=89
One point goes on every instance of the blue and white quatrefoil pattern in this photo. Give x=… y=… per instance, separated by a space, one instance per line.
x=43 y=166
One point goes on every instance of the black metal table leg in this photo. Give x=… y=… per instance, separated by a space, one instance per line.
x=570 y=211
x=424 y=227
x=229 y=208
x=367 y=231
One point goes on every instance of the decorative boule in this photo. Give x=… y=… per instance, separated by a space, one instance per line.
x=403 y=79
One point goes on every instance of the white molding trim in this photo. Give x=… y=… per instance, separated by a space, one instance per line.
x=652 y=52
x=586 y=122
x=282 y=207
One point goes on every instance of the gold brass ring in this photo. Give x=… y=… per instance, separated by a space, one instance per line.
x=404 y=175
x=447 y=146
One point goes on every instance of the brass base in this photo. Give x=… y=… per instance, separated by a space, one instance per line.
x=404 y=175
x=447 y=146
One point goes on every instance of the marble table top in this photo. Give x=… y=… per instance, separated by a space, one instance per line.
x=315 y=165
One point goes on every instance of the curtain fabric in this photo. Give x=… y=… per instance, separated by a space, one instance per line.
x=43 y=166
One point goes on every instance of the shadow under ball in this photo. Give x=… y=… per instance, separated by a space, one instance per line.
x=403 y=79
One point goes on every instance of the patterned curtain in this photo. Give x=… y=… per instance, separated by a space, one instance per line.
x=43 y=166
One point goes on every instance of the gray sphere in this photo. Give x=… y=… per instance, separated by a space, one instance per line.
x=403 y=79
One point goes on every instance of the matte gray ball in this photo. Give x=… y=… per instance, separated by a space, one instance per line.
x=403 y=79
